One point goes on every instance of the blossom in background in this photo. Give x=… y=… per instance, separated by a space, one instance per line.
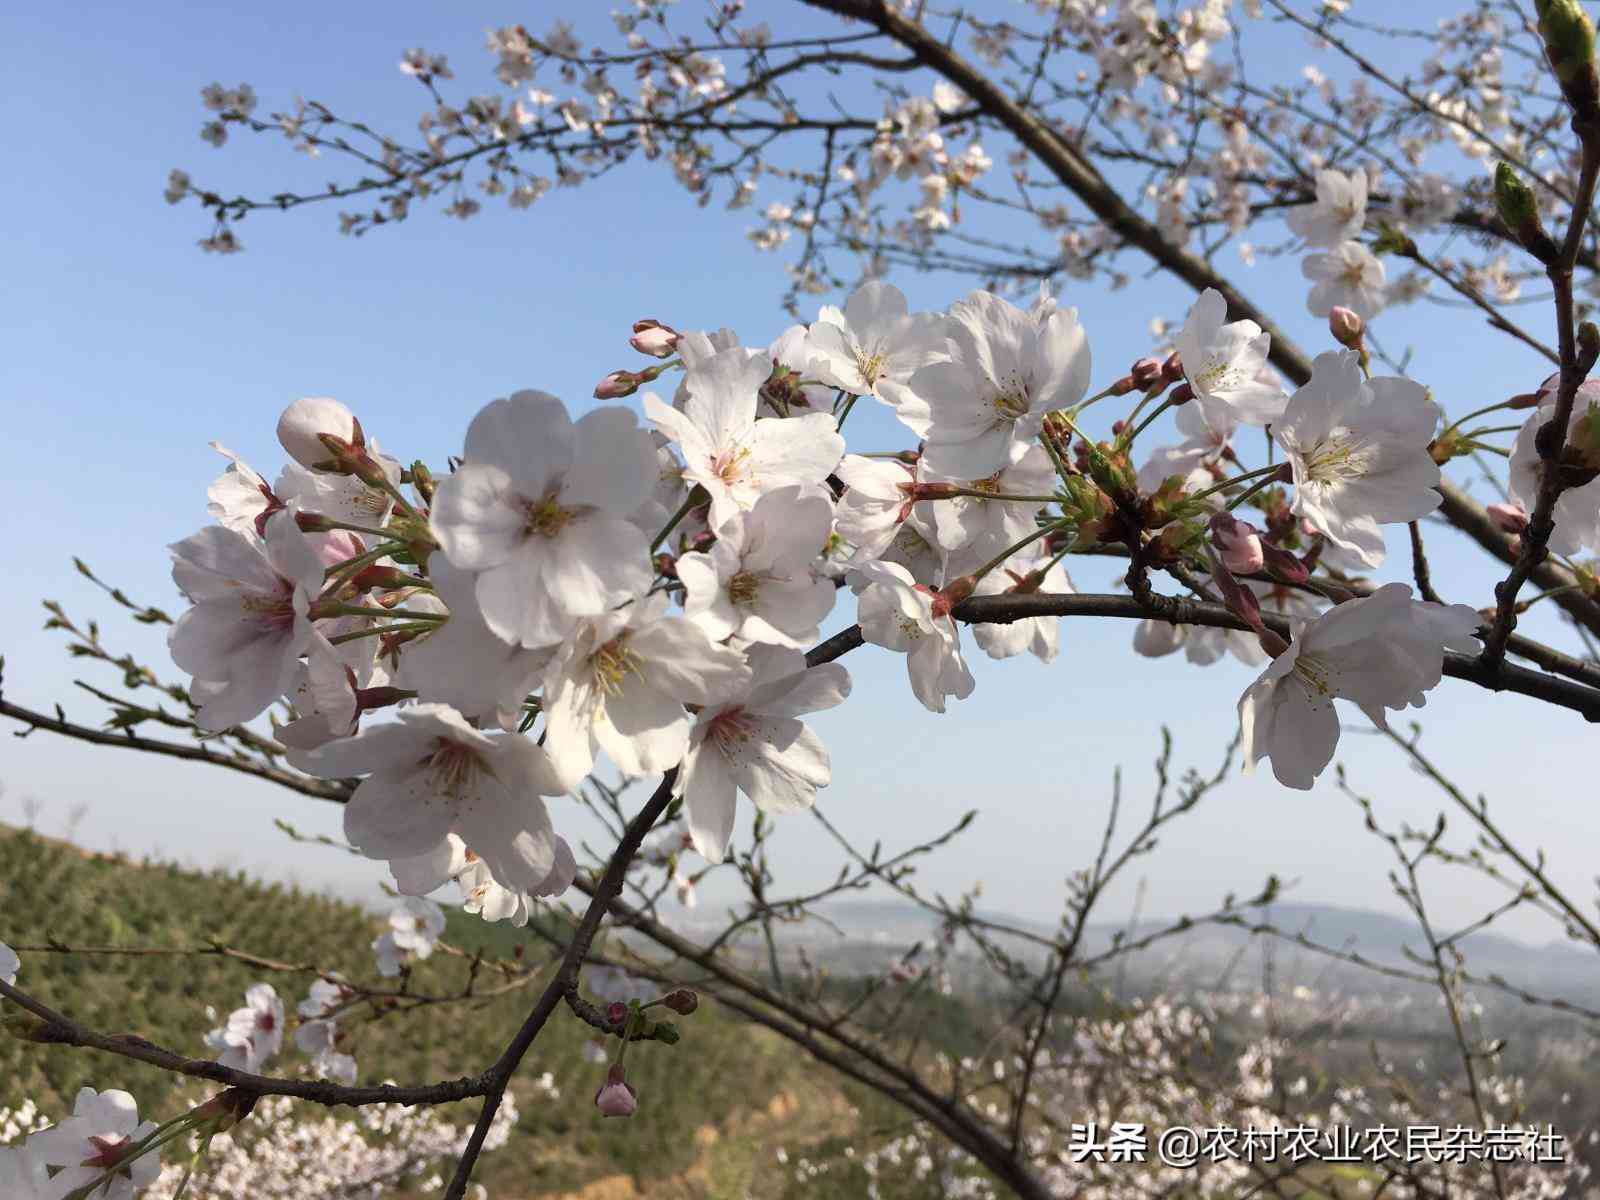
x=757 y=581
x=430 y=774
x=322 y=1041
x=1339 y=212
x=252 y=1036
x=1207 y=433
x=1347 y=276
x=752 y=741
x=1223 y=362
x=1381 y=651
x=10 y=964
x=249 y=625
x=1577 y=510
x=414 y=928
x=894 y=612
x=102 y=1127
x=875 y=344
x=1009 y=367
x=1040 y=636
x=538 y=511
x=620 y=684
x=730 y=452
x=1359 y=452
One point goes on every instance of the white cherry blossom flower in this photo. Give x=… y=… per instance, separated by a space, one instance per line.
x=250 y=623
x=752 y=741
x=1223 y=362
x=539 y=512
x=430 y=774
x=1040 y=636
x=10 y=964
x=240 y=498
x=103 y=1126
x=324 y=697
x=874 y=345
x=1339 y=212
x=1577 y=510
x=1008 y=369
x=1359 y=452
x=252 y=1036
x=1381 y=651
x=1347 y=276
x=877 y=500
x=462 y=662
x=980 y=528
x=324 y=998
x=727 y=450
x=898 y=614
x=1207 y=430
x=620 y=684
x=757 y=582
x=322 y=1041
x=416 y=924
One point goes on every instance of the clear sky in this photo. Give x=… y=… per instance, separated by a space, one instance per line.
x=126 y=351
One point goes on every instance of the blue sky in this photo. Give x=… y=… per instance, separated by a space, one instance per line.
x=127 y=350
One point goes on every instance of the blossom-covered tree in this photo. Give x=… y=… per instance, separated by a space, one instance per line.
x=469 y=635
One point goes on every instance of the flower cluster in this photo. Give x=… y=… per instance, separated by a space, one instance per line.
x=647 y=594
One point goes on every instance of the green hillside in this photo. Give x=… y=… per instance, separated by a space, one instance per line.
x=713 y=1109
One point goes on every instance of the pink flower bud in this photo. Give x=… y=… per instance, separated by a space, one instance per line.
x=305 y=422
x=654 y=338
x=617 y=1098
x=1146 y=373
x=616 y=384
x=1346 y=327
x=1238 y=544
x=1510 y=517
x=1172 y=368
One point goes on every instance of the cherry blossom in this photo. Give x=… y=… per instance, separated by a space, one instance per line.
x=10 y=964
x=756 y=582
x=1040 y=636
x=252 y=1036
x=1339 y=212
x=1007 y=370
x=1359 y=452
x=877 y=500
x=875 y=344
x=430 y=774
x=103 y=1127
x=1223 y=362
x=1347 y=276
x=620 y=684
x=980 y=528
x=462 y=662
x=1577 y=510
x=1381 y=651
x=538 y=511
x=322 y=1041
x=751 y=740
x=250 y=623
x=894 y=612
x=1208 y=431
x=727 y=450
x=324 y=696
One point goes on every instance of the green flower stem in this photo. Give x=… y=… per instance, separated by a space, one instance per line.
x=1127 y=439
x=1038 y=533
x=1475 y=413
x=402 y=627
x=696 y=496
x=360 y=610
x=1255 y=487
x=336 y=577
x=1237 y=479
